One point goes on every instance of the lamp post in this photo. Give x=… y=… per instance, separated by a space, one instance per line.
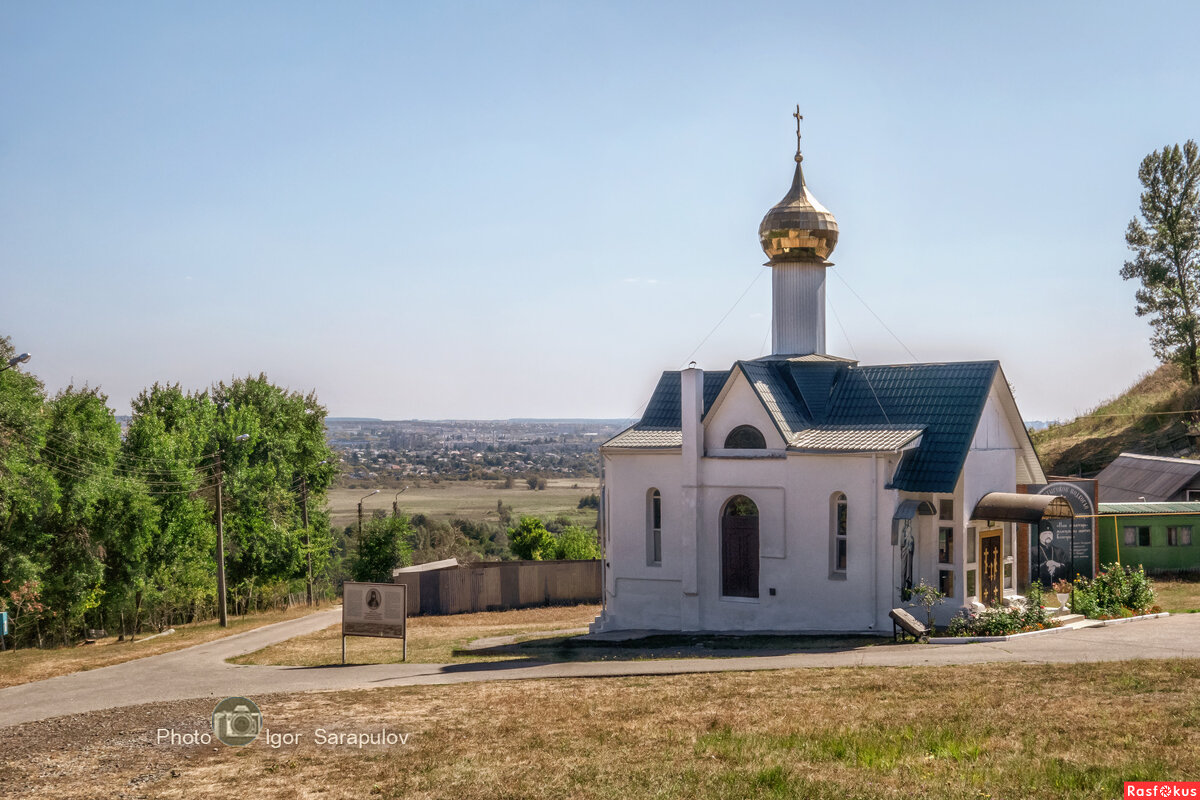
x=19 y=359
x=360 y=502
x=221 y=610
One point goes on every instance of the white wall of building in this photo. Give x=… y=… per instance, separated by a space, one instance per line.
x=793 y=493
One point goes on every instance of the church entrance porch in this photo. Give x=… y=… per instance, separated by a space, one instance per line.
x=991 y=556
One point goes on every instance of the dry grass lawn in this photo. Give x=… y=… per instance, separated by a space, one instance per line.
x=1177 y=595
x=475 y=500
x=30 y=664
x=432 y=639
x=993 y=731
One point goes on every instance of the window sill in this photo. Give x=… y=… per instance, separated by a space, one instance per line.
x=837 y=576
x=728 y=599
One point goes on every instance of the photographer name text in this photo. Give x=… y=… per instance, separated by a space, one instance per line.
x=320 y=737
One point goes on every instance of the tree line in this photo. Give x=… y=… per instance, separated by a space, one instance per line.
x=104 y=528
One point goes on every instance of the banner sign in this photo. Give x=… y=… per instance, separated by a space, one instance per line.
x=1064 y=548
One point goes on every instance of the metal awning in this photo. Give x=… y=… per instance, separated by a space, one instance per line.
x=910 y=508
x=906 y=511
x=1012 y=507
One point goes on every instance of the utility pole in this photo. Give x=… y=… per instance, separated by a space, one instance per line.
x=221 y=612
x=307 y=540
x=360 y=502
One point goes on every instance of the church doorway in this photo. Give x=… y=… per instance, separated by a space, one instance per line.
x=739 y=548
x=990 y=562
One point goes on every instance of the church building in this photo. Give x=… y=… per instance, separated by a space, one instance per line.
x=805 y=492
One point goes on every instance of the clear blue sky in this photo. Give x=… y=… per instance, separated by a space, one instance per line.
x=530 y=209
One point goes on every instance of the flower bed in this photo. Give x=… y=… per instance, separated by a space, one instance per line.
x=1004 y=621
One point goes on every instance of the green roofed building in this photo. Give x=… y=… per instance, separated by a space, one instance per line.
x=1159 y=536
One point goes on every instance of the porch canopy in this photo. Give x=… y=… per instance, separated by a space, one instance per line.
x=906 y=511
x=1012 y=507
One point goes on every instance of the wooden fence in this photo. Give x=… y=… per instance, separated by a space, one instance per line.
x=501 y=585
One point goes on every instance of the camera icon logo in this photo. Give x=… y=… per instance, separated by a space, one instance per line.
x=236 y=721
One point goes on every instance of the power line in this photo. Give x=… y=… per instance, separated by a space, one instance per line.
x=876 y=316
x=757 y=275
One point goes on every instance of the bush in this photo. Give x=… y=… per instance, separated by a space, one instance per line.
x=577 y=543
x=531 y=541
x=1117 y=591
x=590 y=501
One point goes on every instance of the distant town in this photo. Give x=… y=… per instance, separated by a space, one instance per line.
x=379 y=451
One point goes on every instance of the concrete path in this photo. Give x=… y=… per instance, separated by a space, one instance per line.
x=201 y=671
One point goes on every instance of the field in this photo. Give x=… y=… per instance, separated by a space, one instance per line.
x=475 y=500
x=31 y=664
x=993 y=731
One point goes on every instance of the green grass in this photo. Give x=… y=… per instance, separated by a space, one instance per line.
x=1177 y=595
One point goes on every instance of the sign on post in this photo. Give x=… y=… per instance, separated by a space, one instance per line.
x=375 y=609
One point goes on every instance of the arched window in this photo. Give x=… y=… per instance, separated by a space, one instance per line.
x=739 y=548
x=837 y=533
x=745 y=437
x=653 y=528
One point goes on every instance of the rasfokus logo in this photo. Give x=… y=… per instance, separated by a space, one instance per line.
x=236 y=721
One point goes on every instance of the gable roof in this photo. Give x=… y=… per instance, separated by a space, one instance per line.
x=947 y=399
x=1156 y=478
x=828 y=404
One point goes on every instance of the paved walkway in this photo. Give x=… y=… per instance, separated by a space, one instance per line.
x=201 y=671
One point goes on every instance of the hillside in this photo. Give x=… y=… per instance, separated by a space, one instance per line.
x=1133 y=422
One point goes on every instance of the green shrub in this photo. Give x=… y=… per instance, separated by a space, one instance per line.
x=1117 y=591
x=531 y=541
x=576 y=543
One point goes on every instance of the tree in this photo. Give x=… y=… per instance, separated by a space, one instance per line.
x=531 y=541
x=1166 y=247
x=576 y=543
x=386 y=544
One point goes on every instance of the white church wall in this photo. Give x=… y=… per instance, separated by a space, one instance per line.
x=794 y=497
x=640 y=595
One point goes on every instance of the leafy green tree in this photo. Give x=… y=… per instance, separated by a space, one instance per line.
x=1166 y=245
x=530 y=540
x=385 y=545
x=82 y=449
x=167 y=444
x=26 y=484
x=576 y=543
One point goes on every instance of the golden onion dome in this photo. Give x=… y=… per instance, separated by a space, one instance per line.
x=798 y=228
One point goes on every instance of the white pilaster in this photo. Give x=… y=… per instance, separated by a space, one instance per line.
x=692 y=411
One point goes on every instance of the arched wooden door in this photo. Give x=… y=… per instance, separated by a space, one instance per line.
x=739 y=548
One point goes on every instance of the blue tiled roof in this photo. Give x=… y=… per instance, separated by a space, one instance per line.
x=947 y=399
x=808 y=399
x=663 y=410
